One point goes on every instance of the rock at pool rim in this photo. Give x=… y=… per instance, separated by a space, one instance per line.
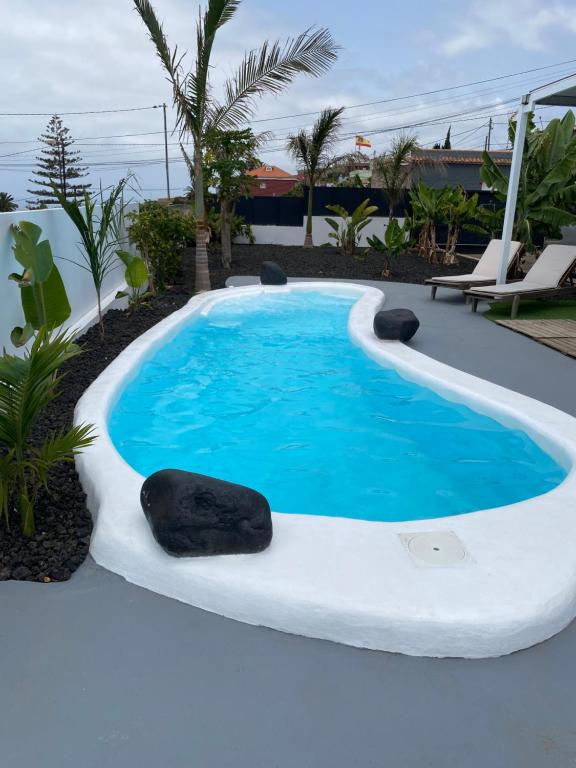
x=194 y=515
x=395 y=324
x=272 y=274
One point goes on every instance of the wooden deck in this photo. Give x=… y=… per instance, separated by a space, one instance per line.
x=558 y=334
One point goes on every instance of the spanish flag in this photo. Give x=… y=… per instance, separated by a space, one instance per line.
x=362 y=142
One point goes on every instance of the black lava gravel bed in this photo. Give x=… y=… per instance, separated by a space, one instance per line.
x=63 y=524
x=327 y=262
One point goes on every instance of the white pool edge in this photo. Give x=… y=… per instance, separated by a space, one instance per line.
x=352 y=581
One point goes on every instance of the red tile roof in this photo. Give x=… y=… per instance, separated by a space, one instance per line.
x=271 y=172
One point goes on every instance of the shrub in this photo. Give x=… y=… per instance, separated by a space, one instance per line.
x=160 y=234
x=27 y=386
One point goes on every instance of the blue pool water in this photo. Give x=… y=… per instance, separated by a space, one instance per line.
x=270 y=392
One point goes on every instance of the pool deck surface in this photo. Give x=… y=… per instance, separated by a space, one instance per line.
x=97 y=672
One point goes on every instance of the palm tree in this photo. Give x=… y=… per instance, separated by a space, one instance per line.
x=395 y=169
x=7 y=204
x=269 y=69
x=313 y=151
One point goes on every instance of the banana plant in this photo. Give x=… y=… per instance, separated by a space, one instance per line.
x=428 y=210
x=459 y=210
x=547 y=186
x=396 y=241
x=136 y=276
x=27 y=385
x=346 y=232
x=42 y=292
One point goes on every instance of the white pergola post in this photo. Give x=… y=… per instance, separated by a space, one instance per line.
x=512 y=196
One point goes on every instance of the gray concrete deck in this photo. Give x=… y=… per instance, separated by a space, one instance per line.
x=99 y=673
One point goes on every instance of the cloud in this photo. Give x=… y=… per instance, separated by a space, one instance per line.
x=523 y=23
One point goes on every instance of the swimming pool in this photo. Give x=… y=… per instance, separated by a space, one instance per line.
x=479 y=584
x=270 y=392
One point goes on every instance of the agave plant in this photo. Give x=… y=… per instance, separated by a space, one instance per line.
x=346 y=232
x=27 y=385
x=547 y=186
x=269 y=69
x=313 y=151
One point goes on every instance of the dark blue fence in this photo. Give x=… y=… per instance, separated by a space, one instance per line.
x=290 y=211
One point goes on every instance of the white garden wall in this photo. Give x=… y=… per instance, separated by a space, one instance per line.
x=276 y=235
x=64 y=239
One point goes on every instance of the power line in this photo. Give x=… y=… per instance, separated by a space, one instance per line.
x=85 y=112
x=423 y=93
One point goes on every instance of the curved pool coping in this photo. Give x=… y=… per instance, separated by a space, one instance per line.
x=354 y=581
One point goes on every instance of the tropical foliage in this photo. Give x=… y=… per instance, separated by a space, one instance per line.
x=27 y=385
x=459 y=209
x=394 y=169
x=7 y=203
x=428 y=208
x=314 y=151
x=346 y=232
x=99 y=221
x=396 y=241
x=160 y=234
x=228 y=157
x=269 y=69
x=42 y=292
x=547 y=187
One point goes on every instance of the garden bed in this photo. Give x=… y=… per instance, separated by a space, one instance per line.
x=63 y=524
x=328 y=262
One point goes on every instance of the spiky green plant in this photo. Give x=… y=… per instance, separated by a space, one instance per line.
x=395 y=168
x=269 y=69
x=313 y=149
x=99 y=221
x=27 y=385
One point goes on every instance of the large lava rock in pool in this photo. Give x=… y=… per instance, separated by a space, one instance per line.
x=272 y=274
x=192 y=515
x=396 y=324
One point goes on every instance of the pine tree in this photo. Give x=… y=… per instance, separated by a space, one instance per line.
x=58 y=164
x=447 y=143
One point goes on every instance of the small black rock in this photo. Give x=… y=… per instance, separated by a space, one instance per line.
x=272 y=274
x=193 y=515
x=396 y=324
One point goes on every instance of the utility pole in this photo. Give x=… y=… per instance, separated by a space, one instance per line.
x=489 y=134
x=166 y=153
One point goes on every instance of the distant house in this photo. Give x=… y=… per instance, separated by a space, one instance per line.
x=455 y=167
x=271 y=181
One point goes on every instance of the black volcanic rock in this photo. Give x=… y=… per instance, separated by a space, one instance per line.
x=396 y=324
x=193 y=515
x=272 y=274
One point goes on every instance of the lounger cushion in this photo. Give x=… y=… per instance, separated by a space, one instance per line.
x=489 y=263
x=472 y=277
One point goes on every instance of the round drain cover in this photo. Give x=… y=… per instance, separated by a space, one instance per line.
x=436 y=548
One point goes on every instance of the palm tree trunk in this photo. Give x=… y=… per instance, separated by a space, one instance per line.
x=308 y=242
x=202 y=281
x=226 y=233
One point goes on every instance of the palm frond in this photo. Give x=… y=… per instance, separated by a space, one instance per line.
x=269 y=70
x=313 y=149
x=62 y=446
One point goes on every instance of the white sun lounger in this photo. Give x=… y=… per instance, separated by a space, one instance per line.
x=548 y=277
x=484 y=273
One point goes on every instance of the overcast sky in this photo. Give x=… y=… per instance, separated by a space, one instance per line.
x=67 y=56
